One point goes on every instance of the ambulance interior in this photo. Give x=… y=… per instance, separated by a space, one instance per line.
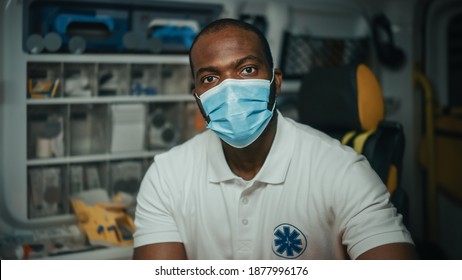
x=91 y=91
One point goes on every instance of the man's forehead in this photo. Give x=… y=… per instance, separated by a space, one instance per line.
x=216 y=41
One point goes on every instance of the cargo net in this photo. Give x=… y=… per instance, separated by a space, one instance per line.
x=303 y=52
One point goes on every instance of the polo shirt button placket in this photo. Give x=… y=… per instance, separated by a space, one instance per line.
x=245 y=243
x=245 y=201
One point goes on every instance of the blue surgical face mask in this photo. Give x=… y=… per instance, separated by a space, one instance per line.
x=237 y=109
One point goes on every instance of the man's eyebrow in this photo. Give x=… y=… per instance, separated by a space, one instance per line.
x=241 y=61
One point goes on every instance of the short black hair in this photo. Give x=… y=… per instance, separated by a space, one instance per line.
x=221 y=24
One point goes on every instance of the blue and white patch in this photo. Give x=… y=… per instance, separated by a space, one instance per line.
x=289 y=242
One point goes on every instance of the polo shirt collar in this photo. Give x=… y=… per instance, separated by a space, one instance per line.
x=273 y=171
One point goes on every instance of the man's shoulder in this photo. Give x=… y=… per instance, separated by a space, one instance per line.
x=187 y=151
x=317 y=143
x=309 y=134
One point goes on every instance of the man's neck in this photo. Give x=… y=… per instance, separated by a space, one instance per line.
x=247 y=162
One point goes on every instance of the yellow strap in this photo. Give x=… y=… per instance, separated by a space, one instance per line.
x=392 y=180
x=347 y=137
x=358 y=145
x=359 y=141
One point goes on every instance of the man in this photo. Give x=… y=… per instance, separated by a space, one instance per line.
x=257 y=185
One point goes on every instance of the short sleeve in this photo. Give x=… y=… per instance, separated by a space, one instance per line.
x=153 y=217
x=366 y=217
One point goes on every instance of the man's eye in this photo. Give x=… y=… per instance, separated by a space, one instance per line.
x=248 y=70
x=208 y=79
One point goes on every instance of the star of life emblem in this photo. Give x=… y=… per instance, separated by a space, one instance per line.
x=289 y=242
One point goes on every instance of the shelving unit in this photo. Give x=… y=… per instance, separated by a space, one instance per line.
x=46 y=134
x=82 y=134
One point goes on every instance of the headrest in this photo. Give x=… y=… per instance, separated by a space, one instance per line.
x=342 y=98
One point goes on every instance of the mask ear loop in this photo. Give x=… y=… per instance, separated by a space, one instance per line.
x=201 y=109
x=272 y=96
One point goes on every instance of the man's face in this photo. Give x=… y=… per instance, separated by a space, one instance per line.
x=230 y=53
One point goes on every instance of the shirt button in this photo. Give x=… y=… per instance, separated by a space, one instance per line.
x=245 y=222
x=245 y=200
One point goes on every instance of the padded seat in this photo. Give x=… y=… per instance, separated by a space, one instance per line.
x=346 y=102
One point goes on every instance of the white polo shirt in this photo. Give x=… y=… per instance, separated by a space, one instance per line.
x=311 y=197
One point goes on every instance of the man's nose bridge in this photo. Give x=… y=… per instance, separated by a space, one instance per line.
x=229 y=74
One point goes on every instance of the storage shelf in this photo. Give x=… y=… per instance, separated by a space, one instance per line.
x=93 y=158
x=109 y=58
x=103 y=106
x=79 y=119
x=112 y=99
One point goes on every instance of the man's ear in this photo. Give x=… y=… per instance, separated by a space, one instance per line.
x=278 y=80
